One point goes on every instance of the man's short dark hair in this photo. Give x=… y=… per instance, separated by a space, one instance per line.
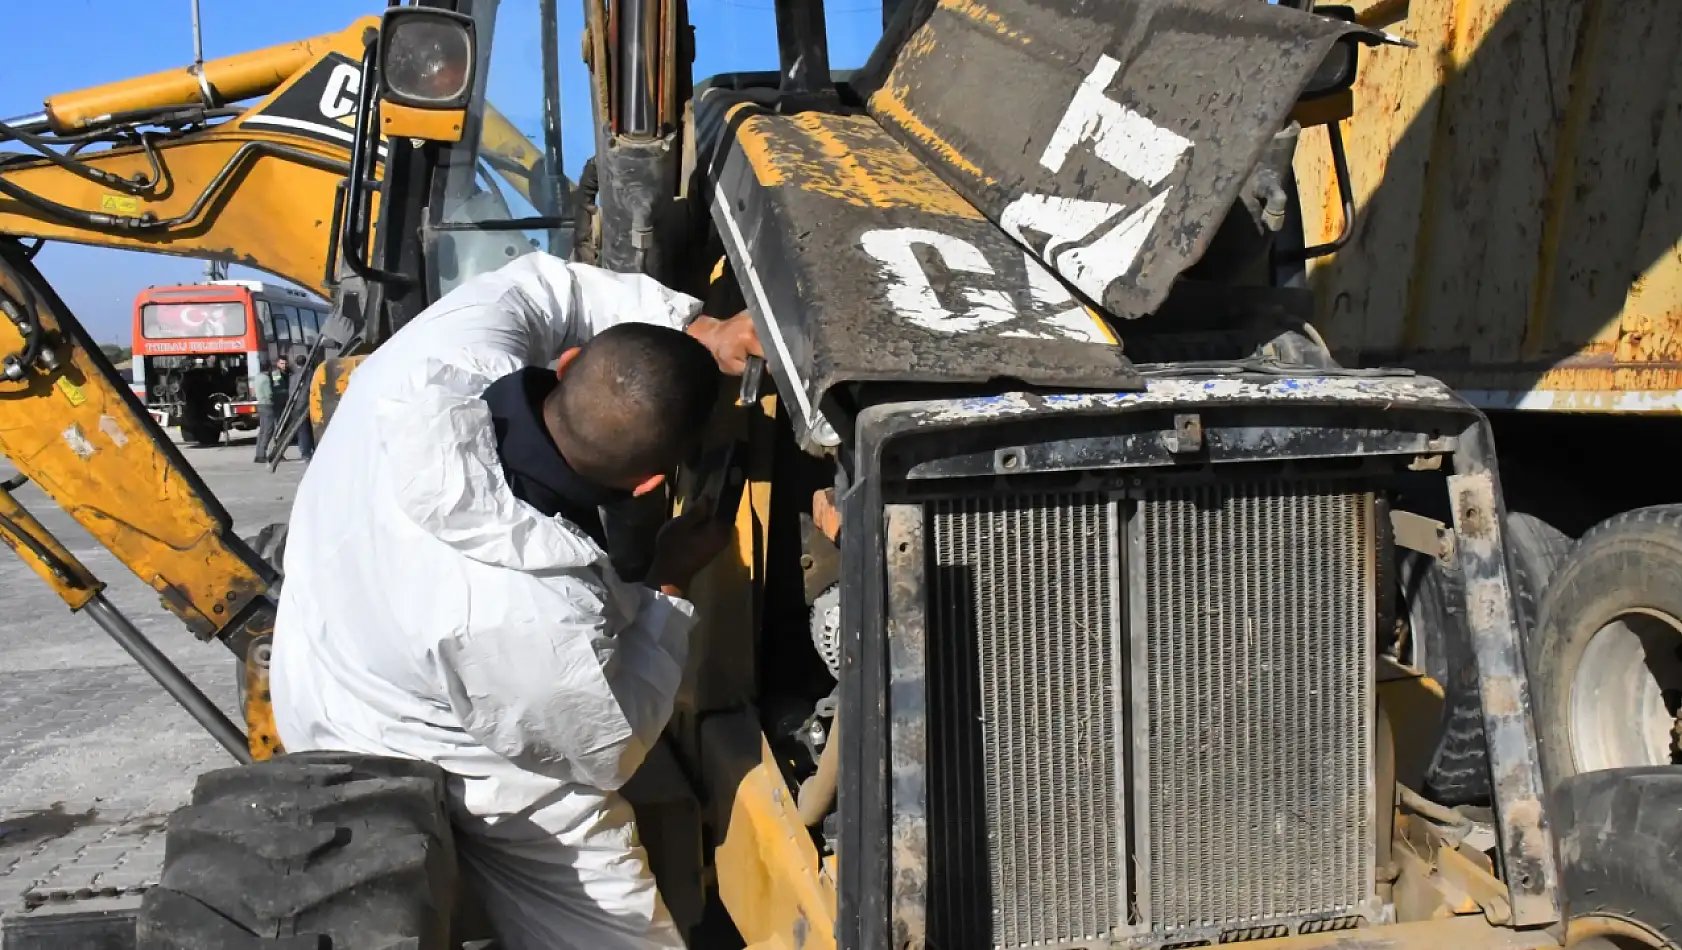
x=634 y=401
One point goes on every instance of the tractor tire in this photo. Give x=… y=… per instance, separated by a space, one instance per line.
x=1606 y=664
x=1618 y=832
x=270 y=545
x=338 y=850
x=1459 y=769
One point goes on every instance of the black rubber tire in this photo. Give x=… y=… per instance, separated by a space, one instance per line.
x=1459 y=769
x=270 y=545
x=1620 y=837
x=352 y=847
x=1631 y=560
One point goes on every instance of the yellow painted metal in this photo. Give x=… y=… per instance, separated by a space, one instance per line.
x=274 y=217
x=435 y=125
x=44 y=555
x=1325 y=110
x=1414 y=704
x=82 y=438
x=273 y=212
x=1468 y=931
x=770 y=879
x=721 y=673
x=262 y=736
x=1518 y=213
x=1614 y=933
x=327 y=387
x=499 y=137
x=232 y=79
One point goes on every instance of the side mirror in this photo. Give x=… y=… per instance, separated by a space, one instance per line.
x=1337 y=72
x=426 y=67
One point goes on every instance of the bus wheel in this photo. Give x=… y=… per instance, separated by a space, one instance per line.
x=202 y=434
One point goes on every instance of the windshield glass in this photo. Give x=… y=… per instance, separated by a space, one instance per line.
x=184 y=321
x=504 y=191
x=509 y=181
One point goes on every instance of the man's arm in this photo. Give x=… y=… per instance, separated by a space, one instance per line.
x=731 y=340
x=607 y=297
x=530 y=311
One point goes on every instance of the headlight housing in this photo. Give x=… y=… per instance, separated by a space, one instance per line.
x=426 y=58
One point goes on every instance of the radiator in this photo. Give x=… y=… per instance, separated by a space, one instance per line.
x=1148 y=716
x=1258 y=654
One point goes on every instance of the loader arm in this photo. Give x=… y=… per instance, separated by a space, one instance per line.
x=161 y=163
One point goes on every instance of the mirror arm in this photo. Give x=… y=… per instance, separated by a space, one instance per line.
x=1345 y=193
x=356 y=218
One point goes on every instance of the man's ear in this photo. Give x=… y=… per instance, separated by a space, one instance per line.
x=566 y=357
x=649 y=484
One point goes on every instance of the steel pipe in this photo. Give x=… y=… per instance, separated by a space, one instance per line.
x=170 y=677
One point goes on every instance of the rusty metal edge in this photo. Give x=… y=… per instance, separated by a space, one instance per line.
x=1529 y=857
x=906 y=558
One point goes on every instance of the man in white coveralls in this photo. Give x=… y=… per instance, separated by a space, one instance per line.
x=447 y=593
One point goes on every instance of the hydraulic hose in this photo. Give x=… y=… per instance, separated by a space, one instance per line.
x=80 y=169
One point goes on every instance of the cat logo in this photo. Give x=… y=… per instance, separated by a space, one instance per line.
x=338 y=102
x=319 y=105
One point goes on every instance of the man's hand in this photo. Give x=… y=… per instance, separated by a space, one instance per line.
x=731 y=341
x=684 y=545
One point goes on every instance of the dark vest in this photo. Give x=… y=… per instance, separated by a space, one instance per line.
x=279 y=389
x=535 y=470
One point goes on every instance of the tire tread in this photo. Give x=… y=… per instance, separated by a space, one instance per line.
x=354 y=849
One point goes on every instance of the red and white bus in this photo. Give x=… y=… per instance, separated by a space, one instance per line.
x=197 y=347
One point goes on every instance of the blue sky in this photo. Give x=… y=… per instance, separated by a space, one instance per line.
x=79 y=43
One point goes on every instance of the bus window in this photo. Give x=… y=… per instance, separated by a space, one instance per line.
x=266 y=317
x=283 y=335
x=194 y=320
x=309 y=323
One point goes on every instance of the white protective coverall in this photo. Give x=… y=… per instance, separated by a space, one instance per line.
x=428 y=613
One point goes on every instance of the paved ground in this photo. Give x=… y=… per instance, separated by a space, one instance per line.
x=93 y=754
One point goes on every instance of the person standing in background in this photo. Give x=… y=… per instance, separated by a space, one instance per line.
x=272 y=389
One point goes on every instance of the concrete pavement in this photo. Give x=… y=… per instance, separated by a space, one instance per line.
x=93 y=754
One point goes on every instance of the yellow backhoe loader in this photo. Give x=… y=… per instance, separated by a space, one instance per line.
x=1065 y=605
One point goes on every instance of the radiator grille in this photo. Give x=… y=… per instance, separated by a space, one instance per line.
x=1025 y=808
x=1258 y=680
x=1203 y=766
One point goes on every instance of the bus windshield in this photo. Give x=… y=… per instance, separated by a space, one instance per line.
x=192 y=320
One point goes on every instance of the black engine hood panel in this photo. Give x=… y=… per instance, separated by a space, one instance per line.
x=860 y=265
x=1111 y=137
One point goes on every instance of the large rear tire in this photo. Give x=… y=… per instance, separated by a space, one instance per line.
x=1619 y=833
x=1606 y=663
x=1459 y=770
x=353 y=848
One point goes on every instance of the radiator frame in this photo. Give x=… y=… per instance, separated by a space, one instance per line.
x=909 y=450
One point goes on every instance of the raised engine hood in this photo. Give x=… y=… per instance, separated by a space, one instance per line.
x=1111 y=138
